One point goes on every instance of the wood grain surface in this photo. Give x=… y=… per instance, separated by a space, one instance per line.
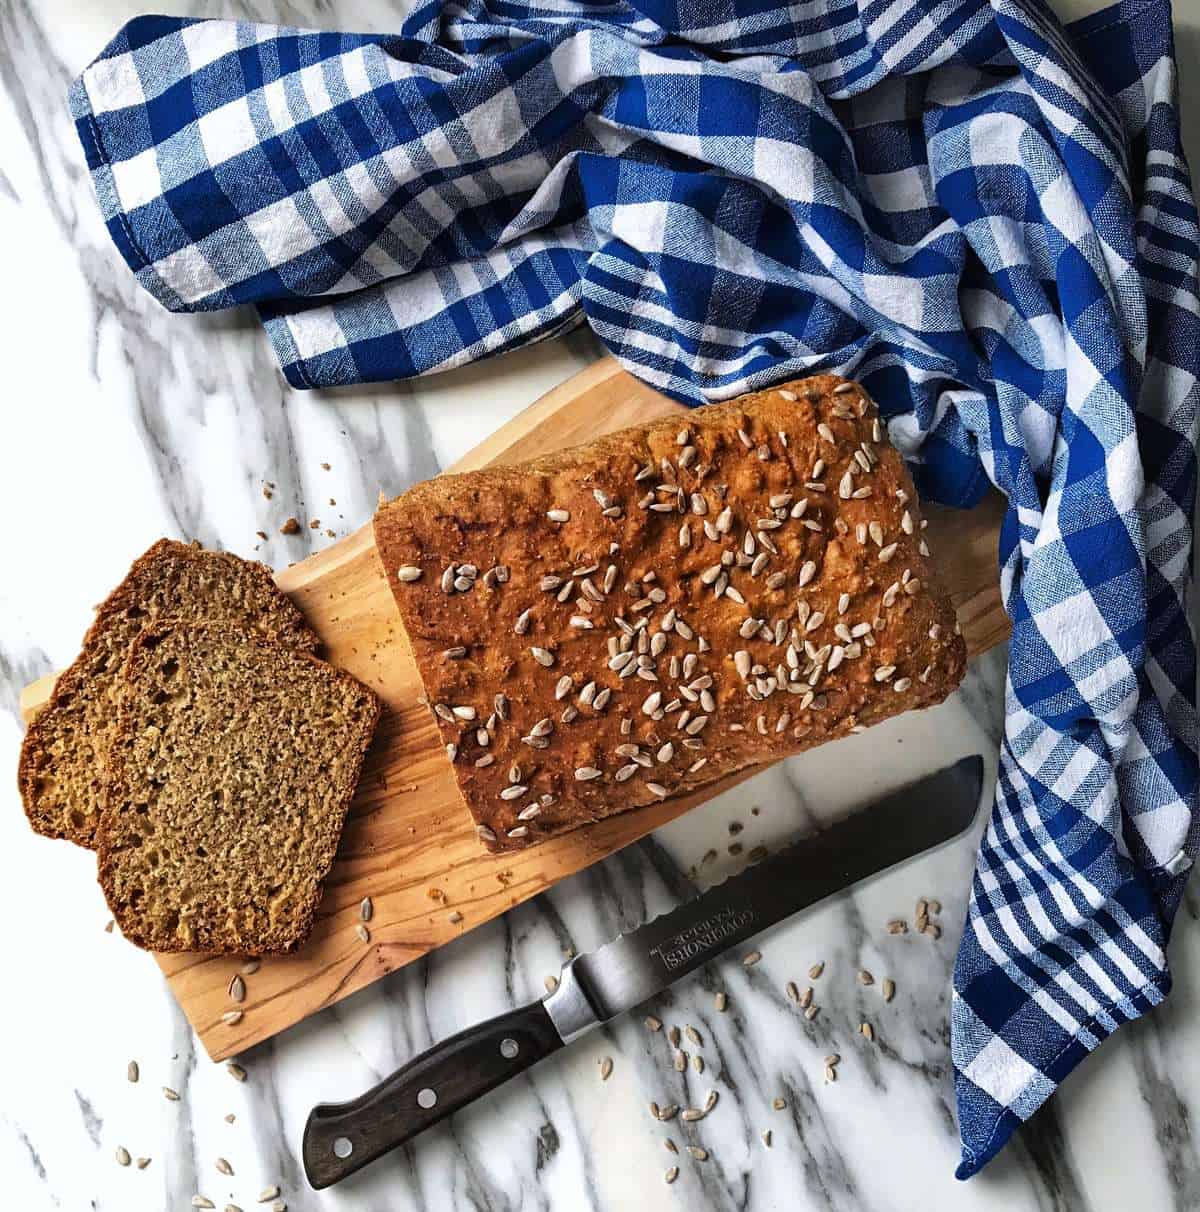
x=409 y=843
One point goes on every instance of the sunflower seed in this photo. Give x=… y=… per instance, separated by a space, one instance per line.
x=122 y=1155
x=654 y=1024
x=551 y=983
x=170 y=1095
x=811 y=1011
x=558 y=515
x=237 y=989
x=751 y=958
x=865 y=977
x=485 y=833
x=670 y=1145
x=867 y=1031
x=889 y=990
x=671 y=1175
x=691 y=1114
x=792 y=991
x=542 y=657
x=267 y=1194
x=697 y=1152
x=223 y=1166
x=658 y=790
x=694 y=1035
x=585 y=774
x=679 y=1061
x=720 y=1001
x=668 y=1112
x=900 y=685
x=198 y=1201
x=363 y=933
x=231 y=1017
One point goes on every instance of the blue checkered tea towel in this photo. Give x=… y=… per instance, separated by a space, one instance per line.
x=983 y=216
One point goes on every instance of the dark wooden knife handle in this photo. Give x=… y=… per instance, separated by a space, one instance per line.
x=341 y=1138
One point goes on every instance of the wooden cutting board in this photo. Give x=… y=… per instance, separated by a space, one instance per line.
x=409 y=843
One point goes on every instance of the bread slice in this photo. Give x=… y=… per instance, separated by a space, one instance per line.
x=63 y=755
x=603 y=627
x=230 y=774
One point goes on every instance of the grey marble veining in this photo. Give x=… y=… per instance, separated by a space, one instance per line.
x=124 y=423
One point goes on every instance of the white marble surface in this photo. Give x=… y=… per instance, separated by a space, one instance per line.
x=124 y=423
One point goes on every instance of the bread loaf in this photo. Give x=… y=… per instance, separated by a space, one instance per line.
x=634 y=618
x=231 y=770
x=63 y=755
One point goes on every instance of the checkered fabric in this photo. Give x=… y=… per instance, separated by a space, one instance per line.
x=983 y=216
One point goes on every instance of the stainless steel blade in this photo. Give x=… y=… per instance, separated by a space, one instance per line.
x=634 y=966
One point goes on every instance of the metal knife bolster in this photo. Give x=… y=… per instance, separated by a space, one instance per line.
x=569 y=1008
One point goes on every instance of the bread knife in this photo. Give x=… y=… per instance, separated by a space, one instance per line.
x=341 y=1138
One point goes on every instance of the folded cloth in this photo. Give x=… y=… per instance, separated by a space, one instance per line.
x=983 y=216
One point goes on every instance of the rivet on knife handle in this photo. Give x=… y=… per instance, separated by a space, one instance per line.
x=340 y=1138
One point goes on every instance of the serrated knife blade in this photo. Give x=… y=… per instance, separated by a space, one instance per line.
x=340 y=1138
x=635 y=966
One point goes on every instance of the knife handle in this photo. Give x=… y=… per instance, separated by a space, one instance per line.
x=341 y=1138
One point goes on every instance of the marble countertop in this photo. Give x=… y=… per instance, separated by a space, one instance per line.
x=125 y=423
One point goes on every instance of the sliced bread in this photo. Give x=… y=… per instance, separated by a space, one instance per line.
x=230 y=774
x=63 y=755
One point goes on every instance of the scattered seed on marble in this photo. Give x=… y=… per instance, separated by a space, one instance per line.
x=720 y=1001
x=223 y=1166
x=694 y=1036
x=766 y=1137
x=236 y=1072
x=778 y=1104
x=670 y=1145
x=792 y=992
x=655 y=1024
x=697 y=1152
x=897 y=926
x=606 y=1067
x=123 y=1158
x=142 y=1163
x=811 y=1012
x=867 y=1031
x=170 y=1095
x=815 y=971
x=698 y=1062
x=751 y=958
x=131 y=1071
x=679 y=1060
x=551 y=983
x=865 y=977
x=671 y=1175
x=889 y=990
x=198 y=1201
x=673 y=1037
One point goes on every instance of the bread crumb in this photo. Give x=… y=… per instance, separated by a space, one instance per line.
x=315 y=524
x=291 y=526
x=324 y=466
